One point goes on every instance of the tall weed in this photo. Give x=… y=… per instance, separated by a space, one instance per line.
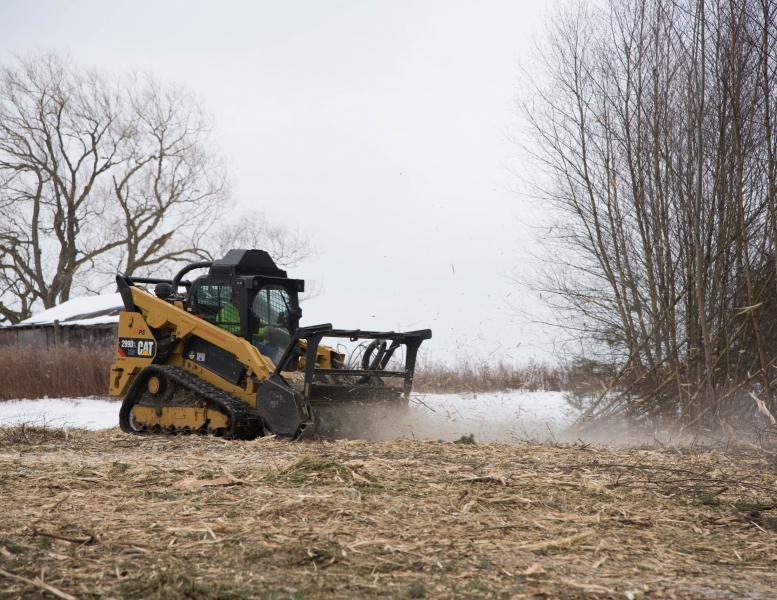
x=481 y=376
x=63 y=371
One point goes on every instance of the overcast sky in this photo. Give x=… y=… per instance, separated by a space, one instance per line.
x=377 y=127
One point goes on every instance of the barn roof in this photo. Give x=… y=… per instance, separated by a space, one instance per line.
x=82 y=311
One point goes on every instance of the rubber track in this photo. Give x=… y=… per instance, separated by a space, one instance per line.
x=245 y=421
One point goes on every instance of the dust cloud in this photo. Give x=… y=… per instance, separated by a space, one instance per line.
x=446 y=420
x=425 y=422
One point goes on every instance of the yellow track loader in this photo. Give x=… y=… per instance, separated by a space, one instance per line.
x=224 y=354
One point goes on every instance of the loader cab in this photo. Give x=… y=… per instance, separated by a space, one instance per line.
x=247 y=295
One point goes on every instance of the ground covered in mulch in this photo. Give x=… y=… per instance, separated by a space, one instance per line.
x=103 y=514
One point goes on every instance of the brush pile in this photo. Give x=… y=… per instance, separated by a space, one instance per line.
x=101 y=514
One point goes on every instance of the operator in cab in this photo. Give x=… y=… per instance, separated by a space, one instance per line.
x=270 y=320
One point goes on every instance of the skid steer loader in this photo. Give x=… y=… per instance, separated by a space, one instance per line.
x=224 y=354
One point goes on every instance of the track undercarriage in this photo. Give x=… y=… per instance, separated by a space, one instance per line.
x=167 y=399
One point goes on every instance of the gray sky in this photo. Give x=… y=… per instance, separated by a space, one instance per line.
x=378 y=127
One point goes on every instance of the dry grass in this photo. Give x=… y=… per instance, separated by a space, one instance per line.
x=27 y=372
x=438 y=377
x=108 y=515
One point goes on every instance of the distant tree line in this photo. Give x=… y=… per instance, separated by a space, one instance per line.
x=103 y=173
x=654 y=127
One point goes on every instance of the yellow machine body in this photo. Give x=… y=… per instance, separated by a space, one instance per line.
x=137 y=349
x=179 y=417
x=183 y=365
x=136 y=328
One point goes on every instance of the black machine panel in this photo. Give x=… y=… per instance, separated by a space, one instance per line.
x=215 y=359
x=283 y=409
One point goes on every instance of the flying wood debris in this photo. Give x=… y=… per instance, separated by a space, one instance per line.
x=98 y=514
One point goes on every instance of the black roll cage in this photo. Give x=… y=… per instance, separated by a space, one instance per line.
x=247 y=293
x=245 y=284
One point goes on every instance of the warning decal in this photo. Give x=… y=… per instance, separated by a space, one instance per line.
x=137 y=347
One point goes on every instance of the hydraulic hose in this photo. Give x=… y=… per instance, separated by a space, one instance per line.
x=198 y=265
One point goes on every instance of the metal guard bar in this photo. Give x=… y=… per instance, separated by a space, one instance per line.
x=358 y=372
x=313 y=335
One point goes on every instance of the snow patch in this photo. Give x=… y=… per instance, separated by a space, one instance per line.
x=86 y=310
x=85 y=413
x=492 y=417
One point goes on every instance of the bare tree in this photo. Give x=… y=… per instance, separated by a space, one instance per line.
x=652 y=127
x=251 y=229
x=173 y=187
x=97 y=174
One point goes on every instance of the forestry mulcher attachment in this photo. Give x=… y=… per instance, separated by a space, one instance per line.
x=224 y=354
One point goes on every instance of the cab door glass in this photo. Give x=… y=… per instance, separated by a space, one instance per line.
x=219 y=304
x=271 y=327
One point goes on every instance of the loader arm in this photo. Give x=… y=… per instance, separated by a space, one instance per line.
x=151 y=319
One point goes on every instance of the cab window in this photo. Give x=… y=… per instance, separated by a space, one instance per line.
x=271 y=315
x=219 y=304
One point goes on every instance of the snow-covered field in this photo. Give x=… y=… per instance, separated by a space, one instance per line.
x=500 y=417
x=87 y=413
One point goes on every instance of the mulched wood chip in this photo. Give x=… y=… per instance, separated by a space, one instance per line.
x=106 y=515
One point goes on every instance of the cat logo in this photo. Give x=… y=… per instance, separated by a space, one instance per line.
x=136 y=347
x=145 y=348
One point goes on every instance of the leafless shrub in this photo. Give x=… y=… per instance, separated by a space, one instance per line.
x=652 y=136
